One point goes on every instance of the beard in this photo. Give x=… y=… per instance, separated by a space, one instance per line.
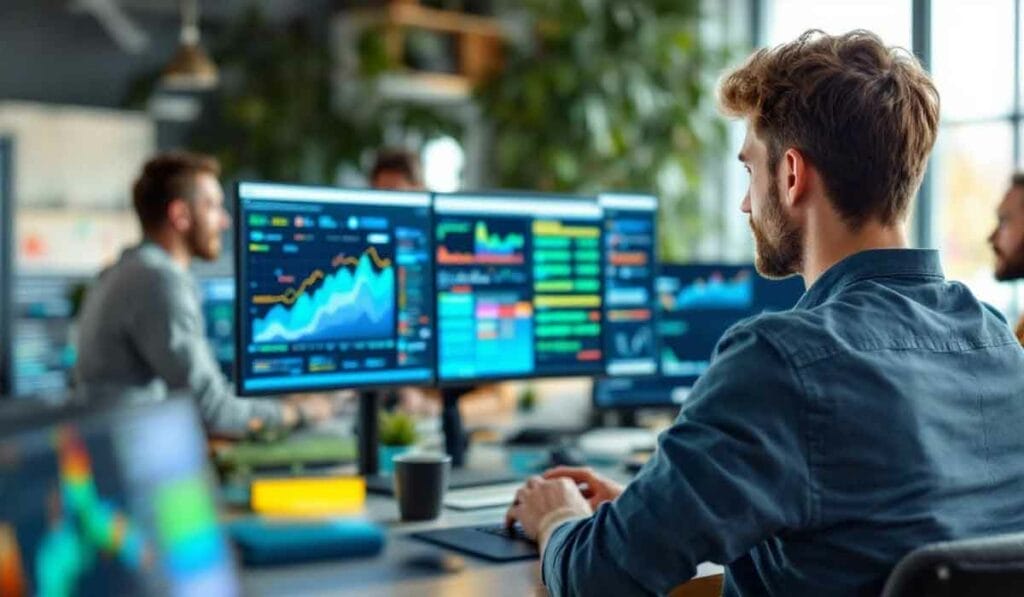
x=203 y=243
x=777 y=240
x=1010 y=267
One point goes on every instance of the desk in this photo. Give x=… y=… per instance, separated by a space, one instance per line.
x=388 y=574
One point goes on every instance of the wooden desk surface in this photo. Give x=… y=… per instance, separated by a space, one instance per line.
x=390 y=574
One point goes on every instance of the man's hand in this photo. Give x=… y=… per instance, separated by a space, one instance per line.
x=307 y=409
x=595 y=488
x=540 y=497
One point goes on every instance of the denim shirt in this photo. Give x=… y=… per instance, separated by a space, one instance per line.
x=885 y=411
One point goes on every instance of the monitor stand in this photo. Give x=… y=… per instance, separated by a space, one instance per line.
x=455 y=438
x=455 y=441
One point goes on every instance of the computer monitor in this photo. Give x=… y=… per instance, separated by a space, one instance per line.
x=110 y=502
x=696 y=305
x=334 y=288
x=519 y=286
x=43 y=353
x=630 y=240
x=218 y=301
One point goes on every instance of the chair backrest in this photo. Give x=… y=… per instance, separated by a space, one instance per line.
x=992 y=566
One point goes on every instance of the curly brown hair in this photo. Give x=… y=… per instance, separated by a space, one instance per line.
x=863 y=114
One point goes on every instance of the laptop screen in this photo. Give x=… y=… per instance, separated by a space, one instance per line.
x=111 y=503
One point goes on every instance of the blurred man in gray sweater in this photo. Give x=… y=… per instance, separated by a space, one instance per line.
x=141 y=330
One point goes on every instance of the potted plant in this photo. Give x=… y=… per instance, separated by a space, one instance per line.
x=397 y=436
x=527 y=399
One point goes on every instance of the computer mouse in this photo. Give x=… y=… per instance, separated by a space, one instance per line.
x=436 y=561
x=566 y=456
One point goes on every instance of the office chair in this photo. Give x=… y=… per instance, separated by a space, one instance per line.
x=990 y=566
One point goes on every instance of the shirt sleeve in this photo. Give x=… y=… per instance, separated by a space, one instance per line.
x=728 y=474
x=168 y=333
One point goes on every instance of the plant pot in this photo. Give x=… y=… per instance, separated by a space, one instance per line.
x=386 y=455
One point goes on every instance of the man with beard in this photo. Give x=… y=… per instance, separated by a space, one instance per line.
x=141 y=330
x=1007 y=239
x=824 y=443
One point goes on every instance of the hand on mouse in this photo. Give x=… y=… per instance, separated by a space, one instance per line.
x=596 y=488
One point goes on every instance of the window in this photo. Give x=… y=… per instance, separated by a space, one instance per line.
x=973 y=65
x=971 y=166
x=890 y=20
x=443 y=162
x=975 y=61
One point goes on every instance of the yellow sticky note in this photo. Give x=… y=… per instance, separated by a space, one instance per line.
x=308 y=496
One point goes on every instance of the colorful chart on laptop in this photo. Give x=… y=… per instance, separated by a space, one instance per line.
x=111 y=504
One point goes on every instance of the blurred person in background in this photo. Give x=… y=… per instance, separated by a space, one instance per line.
x=397 y=169
x=1007 y=239
x=141 y=328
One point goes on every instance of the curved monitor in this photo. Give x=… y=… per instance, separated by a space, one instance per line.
x=334 y=288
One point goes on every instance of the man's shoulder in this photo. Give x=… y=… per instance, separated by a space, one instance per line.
x=783 y=328
x=142 y=272
x=868 y=318
x=797 y=335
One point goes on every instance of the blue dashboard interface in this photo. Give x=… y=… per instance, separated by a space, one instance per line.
x=519 y=286
x=630 y=258
x=334 y=288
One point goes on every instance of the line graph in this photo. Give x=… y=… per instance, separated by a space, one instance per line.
x=480 y=242
x=351 y=304
x=714 y=291
x=291 y=295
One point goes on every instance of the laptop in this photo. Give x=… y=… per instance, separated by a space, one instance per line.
x=110 y=501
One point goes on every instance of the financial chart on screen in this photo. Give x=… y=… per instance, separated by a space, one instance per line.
x=519 y=286
x=697 y=304
x=630 y=240
x=334 y=288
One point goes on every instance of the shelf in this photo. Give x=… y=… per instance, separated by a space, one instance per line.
x=431 y=19
x=477 y=40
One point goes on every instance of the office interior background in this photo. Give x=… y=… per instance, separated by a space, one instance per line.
x=578 y=97
x=308 y=90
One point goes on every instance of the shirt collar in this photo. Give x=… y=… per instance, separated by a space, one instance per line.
x=157 y=253
x=875 y=263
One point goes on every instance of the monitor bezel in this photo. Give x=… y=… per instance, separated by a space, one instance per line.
x=497 y=195
x=240 y=388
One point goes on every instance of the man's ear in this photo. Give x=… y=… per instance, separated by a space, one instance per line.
x=179 y=215
x=796 y=173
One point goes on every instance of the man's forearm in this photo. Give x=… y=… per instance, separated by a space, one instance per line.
x=578 y=559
